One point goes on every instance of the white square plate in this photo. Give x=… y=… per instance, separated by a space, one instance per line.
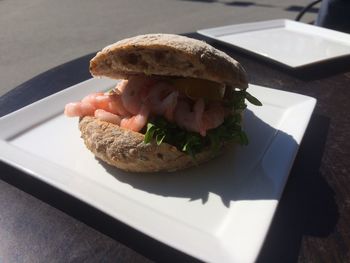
x=291 y=43
x=217 y=212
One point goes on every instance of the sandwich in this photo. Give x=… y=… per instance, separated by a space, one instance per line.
x=179 y=103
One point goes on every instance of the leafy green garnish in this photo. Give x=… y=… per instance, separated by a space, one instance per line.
x=154 y=132
x=192 y=143
x=151 y=128
x=236 y=100
x=252 y=99
x=161 y=130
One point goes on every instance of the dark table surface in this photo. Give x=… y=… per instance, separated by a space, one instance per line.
x=311 y=224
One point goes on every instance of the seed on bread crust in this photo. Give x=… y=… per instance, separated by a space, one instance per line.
x=157 y=55
x=168 y=55
x=126 y=150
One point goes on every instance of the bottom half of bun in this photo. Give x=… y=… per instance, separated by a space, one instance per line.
x=126 y=149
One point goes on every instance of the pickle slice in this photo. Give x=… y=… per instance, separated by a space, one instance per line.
x=199 y=88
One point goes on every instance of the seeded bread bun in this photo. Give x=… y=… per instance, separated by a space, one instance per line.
x=126 y=150
x=158 y=55
x=168 y=55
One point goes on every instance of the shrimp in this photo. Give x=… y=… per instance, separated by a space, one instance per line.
x=212 y=117
x=134 y=92
x=138 y=121
x=187 y=118
x=201 y=118
x=79 y=109
x=107 y=116
x=108 y=102
x=162 y=100
x=91 y=98
x=86 y=106
x=111 y=103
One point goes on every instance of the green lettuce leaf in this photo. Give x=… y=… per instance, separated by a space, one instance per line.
x=192 y=143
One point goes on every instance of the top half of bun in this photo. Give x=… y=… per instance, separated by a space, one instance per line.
x=168 y=55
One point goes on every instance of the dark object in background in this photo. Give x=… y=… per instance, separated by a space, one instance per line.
x=335 y=14
x=307 y=8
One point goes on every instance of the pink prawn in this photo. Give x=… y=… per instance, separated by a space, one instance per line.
x=212 y=117
x=201 y=118
x=188 y=118
x=134 y=92
x=138 y=121
x=79 y=109
x=109 y=102
x=86 y=106
x=107 y=116
x=162 y=100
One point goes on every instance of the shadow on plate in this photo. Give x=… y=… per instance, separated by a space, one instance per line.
x=241 y=173
x=308 y=206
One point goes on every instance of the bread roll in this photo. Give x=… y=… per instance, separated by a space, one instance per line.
x=154 y=55
x=168 y=55
x=126 y=150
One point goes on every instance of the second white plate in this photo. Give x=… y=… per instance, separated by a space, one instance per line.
x=291 y=43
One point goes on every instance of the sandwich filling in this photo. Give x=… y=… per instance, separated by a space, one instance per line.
x=191 y=114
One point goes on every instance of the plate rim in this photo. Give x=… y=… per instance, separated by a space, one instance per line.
x=35 y=171
x=274 y=23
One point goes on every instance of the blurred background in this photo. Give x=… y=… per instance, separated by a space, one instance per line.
x=37 y=35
